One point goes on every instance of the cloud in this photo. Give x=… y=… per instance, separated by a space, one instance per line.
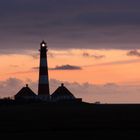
x=107 y=93
x=10 y=86
x=11 y=81
x=69 y=24
x=21 y=72
x=134 y=53
x=111 y=85
x=63 y=67
x=122 y=62
x=35 y=68
x=119 y=62
x=35 y=55
x=71 y=67
x=66 y=67
x=50 y=54
x=14 y=66
x=85 y=54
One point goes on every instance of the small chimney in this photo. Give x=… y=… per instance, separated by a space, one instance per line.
x=62 y=84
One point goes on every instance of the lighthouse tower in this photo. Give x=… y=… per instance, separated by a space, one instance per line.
x=43 y=86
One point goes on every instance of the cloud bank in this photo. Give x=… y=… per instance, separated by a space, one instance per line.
x=107 y=93
x=69 y=24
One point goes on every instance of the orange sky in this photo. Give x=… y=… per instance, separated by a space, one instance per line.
x=114 y=67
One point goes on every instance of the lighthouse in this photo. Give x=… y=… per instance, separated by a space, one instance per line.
x=43 y=86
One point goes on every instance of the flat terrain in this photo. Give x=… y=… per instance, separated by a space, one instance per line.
x=71 y=119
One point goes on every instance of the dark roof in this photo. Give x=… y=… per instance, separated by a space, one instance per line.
x=25 y=92
x=62 y=93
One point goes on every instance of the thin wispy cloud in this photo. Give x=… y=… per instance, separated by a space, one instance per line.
x=123 y=62
x=19 y=72
x=35 y=68
x=35 y=55
x=14 y=66
x=85 y=54
x=80 y=67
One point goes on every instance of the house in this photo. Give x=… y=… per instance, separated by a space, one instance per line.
x=63 y=94
x=25 y=94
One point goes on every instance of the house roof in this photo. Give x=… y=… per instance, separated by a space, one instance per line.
x=25 y=92
x=62 y=91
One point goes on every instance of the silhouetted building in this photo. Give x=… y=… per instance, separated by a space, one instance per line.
x=25 y=94
x=43 y=86
x=63 y=94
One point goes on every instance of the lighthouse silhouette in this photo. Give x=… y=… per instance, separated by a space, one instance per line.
x=43 y=86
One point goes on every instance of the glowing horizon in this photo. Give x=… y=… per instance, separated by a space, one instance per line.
x=114 y=66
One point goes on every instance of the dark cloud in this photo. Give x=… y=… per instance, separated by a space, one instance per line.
x=134 y=53
x=85 y=54
x=66 y=24
x=66 y=67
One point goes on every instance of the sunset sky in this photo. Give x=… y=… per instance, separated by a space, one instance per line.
x=94 y=47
